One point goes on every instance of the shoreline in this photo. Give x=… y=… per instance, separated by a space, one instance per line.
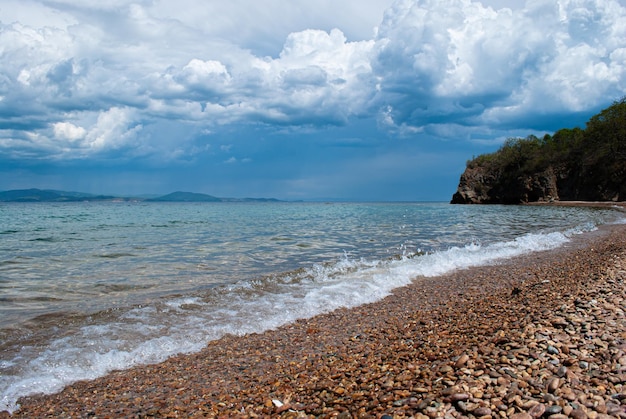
x=619 y=205
x=488 y=341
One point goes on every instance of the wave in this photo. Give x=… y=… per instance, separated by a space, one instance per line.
x=115 y=255
x=186 y=323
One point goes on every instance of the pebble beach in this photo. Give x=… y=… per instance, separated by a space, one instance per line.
x=543 y=335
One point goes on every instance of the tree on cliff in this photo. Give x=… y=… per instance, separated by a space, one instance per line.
x=573 y=164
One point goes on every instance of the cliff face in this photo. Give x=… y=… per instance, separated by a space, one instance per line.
x=482 y=186
x=572 y=165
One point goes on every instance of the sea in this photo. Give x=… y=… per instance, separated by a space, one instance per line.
x=91 y=287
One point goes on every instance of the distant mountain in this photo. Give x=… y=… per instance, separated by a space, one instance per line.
x=199 y=197
x=46 y=195
x=185 y=197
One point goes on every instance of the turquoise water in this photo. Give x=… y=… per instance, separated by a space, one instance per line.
x=86 y=288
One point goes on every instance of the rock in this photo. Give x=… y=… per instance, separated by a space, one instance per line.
x=578 y=414
x=503 y=382
x=613 y=409
x=461 y=361
x=569 y=395
x=522 y=415
x=601 y=408
x=537 y=411
x=459 y=397
x=482 y=411
x=479 y=185
x=553 y=384
x=445 y=369
x=553 y=409
x=560 y=322
x=462 y=406
x=431 y=412
x=529 y=404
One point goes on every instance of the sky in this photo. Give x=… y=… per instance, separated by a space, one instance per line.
x=373 y=100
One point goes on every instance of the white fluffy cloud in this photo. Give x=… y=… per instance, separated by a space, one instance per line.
x=68 y=131
x=114 y=128
x=318 y=77
x=89 y=77
x=457 y=60
x=205 y=73
x=96 y=132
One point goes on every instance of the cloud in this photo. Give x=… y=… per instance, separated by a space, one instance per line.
x=262 y=27
x=68 y=131
x=318 y=78
x=458 y=61
x=322 y=77
x=114 y=128
x=82 y=79
x=204 y=74
x=110 y=130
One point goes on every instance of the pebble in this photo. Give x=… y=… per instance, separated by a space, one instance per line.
x=578 y=414
x=537 y=411
x=461 y=361
x=553 y=384
x=458 y=397
x=482 y=411
x=553 y=409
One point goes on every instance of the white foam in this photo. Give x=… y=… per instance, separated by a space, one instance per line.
x=620 y=220
x=148 y=335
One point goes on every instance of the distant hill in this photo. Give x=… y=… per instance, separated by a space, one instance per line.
x=47 y=195
x=185 y=197
x=571 y=165
x=199 y=197
x=39 y=195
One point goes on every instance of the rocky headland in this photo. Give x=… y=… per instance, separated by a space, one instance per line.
x=571 y=165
